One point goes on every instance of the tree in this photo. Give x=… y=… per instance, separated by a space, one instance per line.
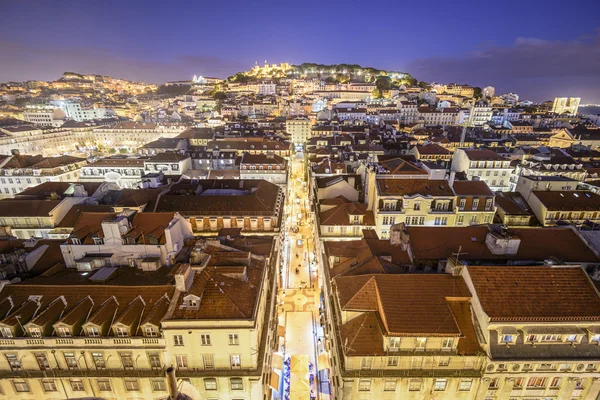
x=477 y=92
x=112 y=150
x=123 y=150
x=220 y=96
x=377 y=93
x=383 y=83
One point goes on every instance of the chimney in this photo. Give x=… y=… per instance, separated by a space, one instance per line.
x=172 y=383
x=451 y=179
x=184 y=276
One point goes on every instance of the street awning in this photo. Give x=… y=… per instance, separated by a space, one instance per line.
x=323 y=361
x=275 y=380
x=299 y=364
x=277 y=361
x=281 y=331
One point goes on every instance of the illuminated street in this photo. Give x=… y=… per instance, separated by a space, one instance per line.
x=299 y=311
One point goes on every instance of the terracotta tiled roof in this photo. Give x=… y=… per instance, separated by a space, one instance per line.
x=399 y=166
x=362 y=335
x=537 y=244
x=411 y=187
x=34 y=208
x=424 y=309
x=580 y=200
x=535 y=294
x=472 y=188
x=342 y=215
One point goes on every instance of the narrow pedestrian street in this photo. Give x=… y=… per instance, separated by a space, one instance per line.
x=299 y=294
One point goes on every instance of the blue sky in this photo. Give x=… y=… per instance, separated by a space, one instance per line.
x=539 y=49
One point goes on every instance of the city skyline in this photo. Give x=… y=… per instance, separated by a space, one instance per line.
x=539 y=58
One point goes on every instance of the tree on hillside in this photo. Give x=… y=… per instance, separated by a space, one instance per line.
x=383 y=83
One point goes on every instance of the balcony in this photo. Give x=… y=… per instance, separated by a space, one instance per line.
x=84 y=342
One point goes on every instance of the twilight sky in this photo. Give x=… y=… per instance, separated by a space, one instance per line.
x=539 y=49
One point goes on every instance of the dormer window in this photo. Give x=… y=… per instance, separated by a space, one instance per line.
x=98 y=241
x=93 y=331
x=63 y=331
x=6 y=333
x=35 y=332
x=532 y=338
x=75 y=241
x=508 y=338
x=122 y=331
x=595 y=338
x=151 y=331
x=551 y=338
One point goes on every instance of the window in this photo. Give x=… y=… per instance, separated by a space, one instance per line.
x=488 y=204
x=551 y=338
x=181 y=362
x=151 y=331
x=159 y=385
x=536 y=382
x=461 y=205
x=392 y=361
x=93 y=331
x=460 y=220
x=63 y=331
x=98 y=360
x=42 y=361
x=519 y=383
x=447 y=344
x=154 y=360
x=475 y=204
x=210 y=384
x=233 y=339
x=122 y=331
x=13 y=362
x=364 y=385
x=394 y=342
x=178 y=340
x=35 y=332
x=366 y=363
x=104 y=385
x=555 y=383
x=532 y=338
x=465 y=385
x=98 y=241
x=132 y=385
x=389 y=386
x=444 y=361
x=416 y=362
x=417 y=205
x=235 y=361
x=205 y=340
x=386 y=220
x=571 y=338
x=76 y=385
x=49 y=385
x=21 y=385
x=415 y=385
x=494 y=383
x=440 y=385
x=236 y=384
x=126 y=360
x=70 y=360
x=209 y=361
x=420 y=343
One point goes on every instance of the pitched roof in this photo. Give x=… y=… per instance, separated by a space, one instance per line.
x=399 y=166
x=472 y=188
x=535 y=294
x=412 y=187
x=580 y=200
x=341 y=214
x=423 y=309
x=537 y=244
x=34 y=208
